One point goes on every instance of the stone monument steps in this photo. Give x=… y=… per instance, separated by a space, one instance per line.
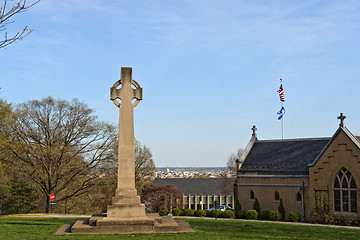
x=95 y=217
x=103 y=225
x=82 y=226
x=167 y=225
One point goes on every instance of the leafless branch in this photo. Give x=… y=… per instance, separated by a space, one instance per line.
x=7 y=13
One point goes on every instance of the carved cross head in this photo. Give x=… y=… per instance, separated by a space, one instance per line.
x=126 y=89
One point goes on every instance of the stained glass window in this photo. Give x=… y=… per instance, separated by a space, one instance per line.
x=345 y=192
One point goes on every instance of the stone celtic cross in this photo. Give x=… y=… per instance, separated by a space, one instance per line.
x=125 y=214
x=126 y=153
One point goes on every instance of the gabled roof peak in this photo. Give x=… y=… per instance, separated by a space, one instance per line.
x=344 y=129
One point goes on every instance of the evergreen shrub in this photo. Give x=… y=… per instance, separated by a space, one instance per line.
x=228 y=214
x=294 y=217
x=200 y=213
x=215 y=213
x=242 y=214
x=237 y=208
x=256 y=206
x=264 y=215
x=252 y=214
x=21 y=199
x=275 y=215
x=208 y=214
x=164 y=212
x=176 y=211
x=187 y=212
x=281 y=209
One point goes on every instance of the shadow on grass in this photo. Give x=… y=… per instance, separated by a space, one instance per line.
x=27 y=223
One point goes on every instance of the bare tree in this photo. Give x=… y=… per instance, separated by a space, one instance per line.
x=227 y=184
x=157 y=198
x=59 y=146
x=231 y=163
x=144 y=167
x=7 y=12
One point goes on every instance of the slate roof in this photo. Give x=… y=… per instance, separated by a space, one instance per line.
x=357 y=137
x=289 y=156
x=192 y=186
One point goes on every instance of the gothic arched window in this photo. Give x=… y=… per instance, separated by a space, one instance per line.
x=298 y=197
x=345 y=192
x=277 y=196
x=252 y=195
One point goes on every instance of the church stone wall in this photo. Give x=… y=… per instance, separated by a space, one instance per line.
x=341 y=153
x=264 y=189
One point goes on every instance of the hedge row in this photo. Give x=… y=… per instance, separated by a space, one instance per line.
x=266 y=215
x=242 y=214
x=199 y=213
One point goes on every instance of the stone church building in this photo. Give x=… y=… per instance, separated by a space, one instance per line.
x=306 y=173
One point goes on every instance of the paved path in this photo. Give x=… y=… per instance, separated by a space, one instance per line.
x=280 y=222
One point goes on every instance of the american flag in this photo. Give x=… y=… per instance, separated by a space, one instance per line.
x=281 y=93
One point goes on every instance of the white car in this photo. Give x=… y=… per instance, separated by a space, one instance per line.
x=220 y=207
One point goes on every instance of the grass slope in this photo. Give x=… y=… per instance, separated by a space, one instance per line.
x=44 y=228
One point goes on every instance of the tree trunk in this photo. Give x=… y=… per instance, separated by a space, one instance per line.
x=47 y=203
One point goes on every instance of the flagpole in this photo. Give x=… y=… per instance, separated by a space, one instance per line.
x=282 y=119
x=282 y=125
x=282 y=110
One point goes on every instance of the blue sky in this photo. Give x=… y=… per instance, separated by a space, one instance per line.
x=209 y=69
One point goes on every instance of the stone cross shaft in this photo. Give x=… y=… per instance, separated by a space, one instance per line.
x=126 y=153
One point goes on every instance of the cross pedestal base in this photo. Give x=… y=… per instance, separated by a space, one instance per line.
x=126 y=210
x=151 y=223
x=128 y=225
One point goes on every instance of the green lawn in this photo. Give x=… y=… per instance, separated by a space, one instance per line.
x=44 y=228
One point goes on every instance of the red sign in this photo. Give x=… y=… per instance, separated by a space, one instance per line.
x=52 y=197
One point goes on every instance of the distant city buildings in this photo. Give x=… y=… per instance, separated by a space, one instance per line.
x=193 y=173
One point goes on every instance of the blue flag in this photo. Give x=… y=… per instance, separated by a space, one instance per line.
x=281 y=112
